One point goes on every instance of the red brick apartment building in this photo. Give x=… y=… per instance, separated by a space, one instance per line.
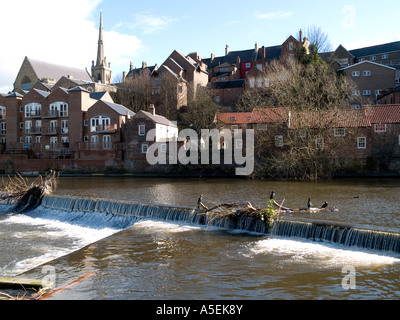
x=64 y=128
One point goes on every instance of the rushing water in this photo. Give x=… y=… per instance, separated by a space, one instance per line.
x=150 y=259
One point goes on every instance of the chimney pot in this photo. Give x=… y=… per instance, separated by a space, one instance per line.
x=152 y=109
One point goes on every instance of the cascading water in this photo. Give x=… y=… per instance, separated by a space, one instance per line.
x=347 y=235
x=123 y=214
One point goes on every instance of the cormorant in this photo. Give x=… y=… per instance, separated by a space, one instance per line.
x=309 y=204
x=199 y=201
x=271 y=197
x=324 y=205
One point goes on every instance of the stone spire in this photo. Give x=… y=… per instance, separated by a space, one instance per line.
x=101 y=71
x=100 y=44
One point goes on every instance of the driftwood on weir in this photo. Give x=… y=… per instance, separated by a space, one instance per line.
x=25 y=196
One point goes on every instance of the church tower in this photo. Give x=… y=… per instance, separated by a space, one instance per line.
x=101 y=72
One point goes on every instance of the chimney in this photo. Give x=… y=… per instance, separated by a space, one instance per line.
x=226 y=50
x=301 y=36
x=152 y=109
x=212 y=57
x=256 y=47
x=131 y=66
x=123 y=76
x=144 y=65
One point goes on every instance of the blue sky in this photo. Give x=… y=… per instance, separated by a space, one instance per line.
x=66 y=32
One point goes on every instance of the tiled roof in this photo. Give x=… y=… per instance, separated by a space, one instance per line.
x=385 y=113
x=264 y=115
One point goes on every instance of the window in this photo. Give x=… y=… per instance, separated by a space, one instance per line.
x=142 y=129
x=64 y=140
x=28 y=126
x=28 y=140
x=107 y=144
x=259 y=82
x=261 y=126
x=163 y=147
x=58 y=109
x=33 y=110
x=145 y=146
x=366 y=92
x=380 y=127
x=355 y=92
x=361 y=142
x=377 y=92
x=26 y=86
x=248 y=65
x=279 y=141
x=234 y=128
x=53 y=141
x=217 y=99
x=355 y=73
x=339 y=132
x=356 y=106
x=238 y=144
x=94 y=141
x=2 y=113
x=251 y=82
x=38 y=139
x=373 y=58
x=266 y=82
x=291 y=45
x=64 y=126
x=99 y=123
x=385 y=56
x=366 y=73
x=259 y=67
x=3 y=128
x=232 y=118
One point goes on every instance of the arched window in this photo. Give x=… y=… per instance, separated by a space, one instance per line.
x=99 y=123
x=26 y=84
x=58 y=109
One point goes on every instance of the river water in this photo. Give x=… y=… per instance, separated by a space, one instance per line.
x=163 y=260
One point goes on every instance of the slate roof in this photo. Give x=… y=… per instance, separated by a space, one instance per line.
x=46 y=70
x=119 y=108
x=227 y=84
x=158 y=119
x=377 y=49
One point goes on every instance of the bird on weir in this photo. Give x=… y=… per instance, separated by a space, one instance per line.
x=324 y=205
x=271 y=197
x=199 y=201
x=309 y=204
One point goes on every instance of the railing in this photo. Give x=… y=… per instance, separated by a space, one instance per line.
x=106 y=145
x=104 y=128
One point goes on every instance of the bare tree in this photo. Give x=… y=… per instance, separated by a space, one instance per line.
x=320 y=39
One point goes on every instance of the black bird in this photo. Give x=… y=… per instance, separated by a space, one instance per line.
x=272 y=195
x=309 y=204
x=199 y=201
x=324 y=205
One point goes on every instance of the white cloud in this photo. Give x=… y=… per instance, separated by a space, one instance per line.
x=274 y=15
x=65 y=34
x=150 y=24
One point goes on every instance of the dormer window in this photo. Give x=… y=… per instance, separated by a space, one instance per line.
x=233 y=118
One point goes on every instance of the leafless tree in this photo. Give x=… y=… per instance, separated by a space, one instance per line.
x=320 y=39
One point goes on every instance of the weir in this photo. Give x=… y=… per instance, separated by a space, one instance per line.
x=315 y=230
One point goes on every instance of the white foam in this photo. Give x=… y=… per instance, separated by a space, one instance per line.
x=161 y=226
x=325 y=255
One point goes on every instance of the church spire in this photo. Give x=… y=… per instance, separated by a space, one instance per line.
x=100 y=46
x=101 y=71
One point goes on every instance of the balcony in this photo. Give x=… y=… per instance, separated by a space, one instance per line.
x=36 y=130
x=33 y=113
x=104 y=128
x=52 y=114
x=51 y=131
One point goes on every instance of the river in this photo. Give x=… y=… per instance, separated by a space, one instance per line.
x=163 y=260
